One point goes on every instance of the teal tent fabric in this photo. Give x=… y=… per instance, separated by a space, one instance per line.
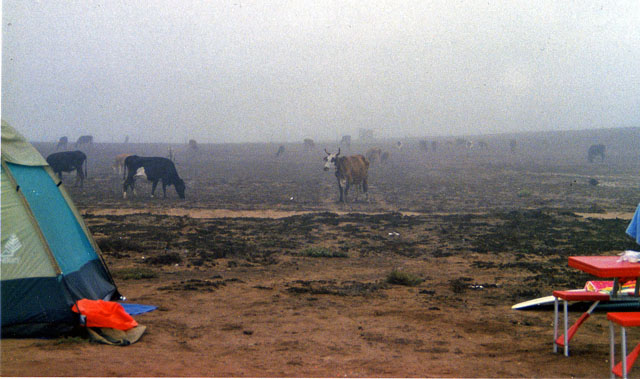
x=67 y=240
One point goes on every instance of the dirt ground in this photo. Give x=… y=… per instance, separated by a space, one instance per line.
x=261 y=273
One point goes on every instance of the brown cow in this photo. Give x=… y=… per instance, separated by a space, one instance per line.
x=351 y=170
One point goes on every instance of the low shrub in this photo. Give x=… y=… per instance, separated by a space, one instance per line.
x=323 y=252
x=403 y=278
x=134 y=273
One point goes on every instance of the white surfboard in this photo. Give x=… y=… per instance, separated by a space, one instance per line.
x=534 y=302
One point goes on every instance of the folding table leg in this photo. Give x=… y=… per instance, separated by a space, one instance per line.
x=570 y=332
x=612 y=348
x=623 y=334
x=629 y=360
x=566 y=327
x=555 y=325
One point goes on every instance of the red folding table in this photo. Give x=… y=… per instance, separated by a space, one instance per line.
x=613 y=267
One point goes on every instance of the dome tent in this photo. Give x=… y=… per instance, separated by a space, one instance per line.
x=48 y=257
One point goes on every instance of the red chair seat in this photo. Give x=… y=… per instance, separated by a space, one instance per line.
x=626 y=319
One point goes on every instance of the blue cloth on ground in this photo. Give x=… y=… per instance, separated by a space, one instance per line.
x=633 y=229
x=136 y=309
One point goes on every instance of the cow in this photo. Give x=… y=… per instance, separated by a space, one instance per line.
x=84 y=140
x=309 y=144
x=67 y=161
x=512 y=146
x=384 y=158
x=399 y=145
x=482 y=145
x=280 y=151
x=434 y=146
x=118 y=164
x=193 y=145
x=156 y=169
x=423 y=146
x=373 y=155
x=346 y=141
x=62 y=143
x=351 y=170
x=594 y=151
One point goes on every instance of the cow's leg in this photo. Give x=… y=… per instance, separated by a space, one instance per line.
x=345 y=184
x=164 y=189
x=346 y=190
x=153 y=187
x=365 y=189
x=124 y=188
x=340 y=191
x=80 y=175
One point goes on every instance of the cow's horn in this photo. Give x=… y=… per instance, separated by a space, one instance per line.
x=338 y=153
x=325 y=150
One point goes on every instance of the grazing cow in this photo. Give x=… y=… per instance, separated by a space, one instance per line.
x=384 y=157
x=156 y=169
x=460 y=142
x=84 y=140
x=309 y=144
x=193 y=145
x=512 y=145
x=346 y=141
x=118 y=165
x=280 y=151
x=67 y=161
x=469 y=145
x=399 y=145
x=423 y=146
x=62 y=143
x=350 y=170
x=596 y=150
x=373 y=155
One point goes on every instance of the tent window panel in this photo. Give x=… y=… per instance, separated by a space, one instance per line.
x=23 y=254
x=67 y=240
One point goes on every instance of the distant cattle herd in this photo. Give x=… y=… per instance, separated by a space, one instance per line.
x=350 y=171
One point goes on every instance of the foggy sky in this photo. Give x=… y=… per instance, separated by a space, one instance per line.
x=247 y=71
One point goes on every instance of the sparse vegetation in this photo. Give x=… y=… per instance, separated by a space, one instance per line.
x=403 y=278
x=134 y=273
x=524 y=193
x=323 y=252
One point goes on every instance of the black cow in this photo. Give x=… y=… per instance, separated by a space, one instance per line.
x=67 y=161
x=596 y=150
x=155 y=169
x=82 y=140
x=62 y=143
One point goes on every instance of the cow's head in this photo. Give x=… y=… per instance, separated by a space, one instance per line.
x=330 y=159
x=179 y=184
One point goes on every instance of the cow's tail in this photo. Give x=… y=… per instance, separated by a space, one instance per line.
x=86 y=165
